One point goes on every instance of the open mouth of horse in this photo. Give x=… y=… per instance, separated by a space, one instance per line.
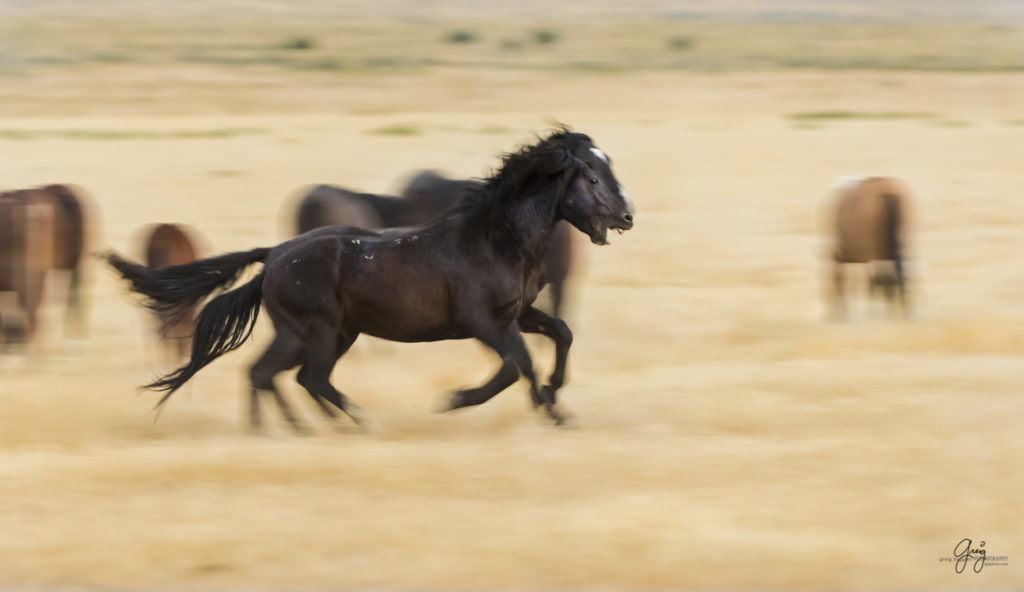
x=600 y=235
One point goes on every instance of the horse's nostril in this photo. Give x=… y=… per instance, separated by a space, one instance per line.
x=628 y=217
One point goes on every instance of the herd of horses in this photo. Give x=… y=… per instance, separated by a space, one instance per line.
x=447 y=259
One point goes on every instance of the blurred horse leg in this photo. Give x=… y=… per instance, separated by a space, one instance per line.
x=284 y=353
x=536 y=321
x=303 y=378
x=322 y=353
x=515 y=360
x=838 y=303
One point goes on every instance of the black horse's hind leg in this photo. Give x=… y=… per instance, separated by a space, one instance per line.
x=515 y=360
x=536 y=321
x=322 y=352
x=283 y=354
x=303 y=379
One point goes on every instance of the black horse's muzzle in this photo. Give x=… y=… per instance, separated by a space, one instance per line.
x=624 y=223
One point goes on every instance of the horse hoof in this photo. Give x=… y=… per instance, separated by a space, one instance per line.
x=256 y=430
x=560 y=417
x=454 y=402
x=301 y=429
x=355 y=413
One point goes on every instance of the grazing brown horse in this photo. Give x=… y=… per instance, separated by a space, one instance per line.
x=869 y=221
x=168 y=245
x=29 y=220
x=473 y=273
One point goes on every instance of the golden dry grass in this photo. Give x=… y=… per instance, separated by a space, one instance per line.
x=726 y=438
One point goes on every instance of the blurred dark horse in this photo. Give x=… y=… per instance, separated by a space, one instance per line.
x=325 y=205
x=42 y=230
x=870 y=221
x=168 y=245
x=473 y=273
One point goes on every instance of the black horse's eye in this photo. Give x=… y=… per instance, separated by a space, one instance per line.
x=593 y=180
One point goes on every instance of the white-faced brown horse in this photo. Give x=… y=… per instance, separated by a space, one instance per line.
x=869 y=222
x=473 y=273
x=168 y=245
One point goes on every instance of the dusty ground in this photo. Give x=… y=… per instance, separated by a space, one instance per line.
x=726 y=437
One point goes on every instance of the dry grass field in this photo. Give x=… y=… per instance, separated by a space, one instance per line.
x=725 y=436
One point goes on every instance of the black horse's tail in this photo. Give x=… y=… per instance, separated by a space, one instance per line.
x=172 y=291
x=222 y=326
x=891 y=234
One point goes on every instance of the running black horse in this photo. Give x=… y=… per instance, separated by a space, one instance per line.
x=429 y=194
x=474 y=273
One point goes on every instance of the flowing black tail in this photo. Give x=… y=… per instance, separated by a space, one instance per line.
x=222 y=326
x=172 y=291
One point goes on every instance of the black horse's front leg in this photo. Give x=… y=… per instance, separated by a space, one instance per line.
x=515 y=360
x=536 y=321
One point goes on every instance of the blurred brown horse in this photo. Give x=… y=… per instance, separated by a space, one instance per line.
x=167 y=245
x=28 y=222
x=870 y=222
x=41 y=230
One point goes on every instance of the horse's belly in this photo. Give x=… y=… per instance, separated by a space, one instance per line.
x=401 y=315
x=419 y=336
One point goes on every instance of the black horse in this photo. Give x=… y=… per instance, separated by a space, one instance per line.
x=473 y=273
x=429 y=194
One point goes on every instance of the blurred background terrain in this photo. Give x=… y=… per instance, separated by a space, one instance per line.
x=726 y=436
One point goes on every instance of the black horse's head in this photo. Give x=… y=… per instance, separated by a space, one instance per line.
x=573 y=171
x=594 y=202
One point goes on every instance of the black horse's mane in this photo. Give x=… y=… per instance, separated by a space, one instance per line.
x=520 y=170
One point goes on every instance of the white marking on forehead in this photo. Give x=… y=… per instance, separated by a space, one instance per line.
x=599 y=153
x=846 y=181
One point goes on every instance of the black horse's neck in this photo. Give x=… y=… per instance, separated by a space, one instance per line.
x=515 y=210
x=528 y=228
x=521 y=219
